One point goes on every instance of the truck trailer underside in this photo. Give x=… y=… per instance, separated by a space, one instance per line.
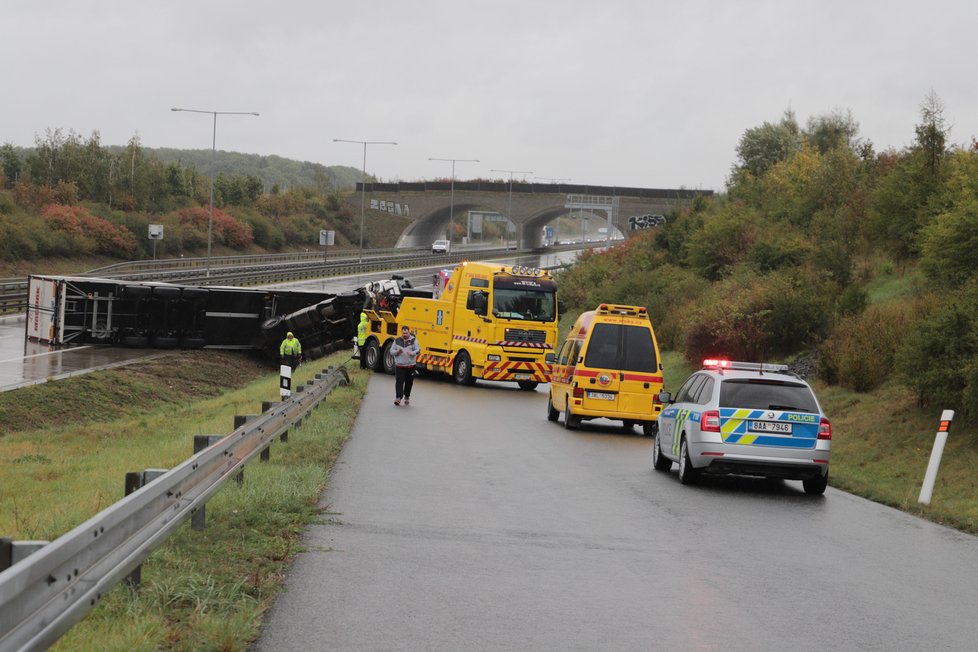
x=67 y=310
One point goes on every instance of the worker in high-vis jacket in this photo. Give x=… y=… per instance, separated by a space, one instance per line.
x=290 y=351
x=362 y=339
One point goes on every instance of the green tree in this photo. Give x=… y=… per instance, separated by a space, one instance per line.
x=835 y=130
x=11 y=164
x=762 y=147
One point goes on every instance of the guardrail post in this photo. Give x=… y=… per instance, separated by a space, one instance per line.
x=198 y=520
x=12 y=551
x=136 y=480
x=240 y=420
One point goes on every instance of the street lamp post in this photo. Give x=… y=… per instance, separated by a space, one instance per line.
x=519 y=238
x=363 y=184
x=210 y=218
x=451 y=195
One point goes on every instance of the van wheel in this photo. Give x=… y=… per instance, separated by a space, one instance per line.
x=527 y=385
x=816 y=487
x=627 y=425
x=571 y=421
x=463 y=369
x=659 y=461
x=650 y=428
x=372 y=351
x=388 y=358
x=552 y=412
x=687 y=474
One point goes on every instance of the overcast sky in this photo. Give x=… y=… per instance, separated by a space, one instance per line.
x=639 y=93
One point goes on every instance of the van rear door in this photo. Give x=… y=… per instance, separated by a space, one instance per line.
x=640 y=379
x=599 y=375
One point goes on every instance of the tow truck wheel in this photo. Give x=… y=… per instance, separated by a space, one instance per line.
x=571 y=421
x=687 y=474
x=463 y=369
x=527 y=385
x=388 y=358
x=372 y=351
x=552 y=412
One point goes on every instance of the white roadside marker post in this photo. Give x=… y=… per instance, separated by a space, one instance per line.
x=285 y=381
x=927 y=490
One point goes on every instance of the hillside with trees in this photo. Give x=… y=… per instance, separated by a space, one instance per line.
x=71 y=196
x=820 y=247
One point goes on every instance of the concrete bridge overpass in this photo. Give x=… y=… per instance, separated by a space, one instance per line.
x=528 y=206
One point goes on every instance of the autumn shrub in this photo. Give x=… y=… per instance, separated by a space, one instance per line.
x=224 y=230
x=860 y=352
x=17 y=237
x=753 y=317
x=266 y=233
x=36 y=197
x=84 y=233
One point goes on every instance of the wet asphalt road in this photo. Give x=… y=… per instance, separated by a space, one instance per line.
x=469 y=522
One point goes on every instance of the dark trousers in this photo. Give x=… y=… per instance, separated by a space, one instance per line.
x=403 y=381
x=291 y=360
x=362 y=354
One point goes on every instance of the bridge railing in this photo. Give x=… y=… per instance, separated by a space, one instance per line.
x=542 y=188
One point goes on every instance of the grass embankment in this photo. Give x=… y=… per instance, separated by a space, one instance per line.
x=68 y=445
x=208 y=590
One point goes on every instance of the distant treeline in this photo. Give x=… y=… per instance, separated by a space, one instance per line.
x=70 y=196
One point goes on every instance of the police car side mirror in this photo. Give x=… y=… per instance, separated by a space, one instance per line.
x=664 y=397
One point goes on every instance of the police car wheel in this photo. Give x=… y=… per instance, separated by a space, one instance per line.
x=687 y=474
x=659 y=461
x=817 y=486
x=552 y=413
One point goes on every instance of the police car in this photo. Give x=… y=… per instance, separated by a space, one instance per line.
x=748 y=419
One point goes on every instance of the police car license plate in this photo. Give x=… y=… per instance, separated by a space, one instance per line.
x=521 y=376
x=604 y=396
x=770 y=426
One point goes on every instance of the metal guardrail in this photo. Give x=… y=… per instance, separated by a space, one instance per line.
x=43 y=595
x=13 y=295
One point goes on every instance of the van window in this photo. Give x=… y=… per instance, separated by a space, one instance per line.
x=602 y=347
x=614 y=346
x=564 y=351
x=639 y=351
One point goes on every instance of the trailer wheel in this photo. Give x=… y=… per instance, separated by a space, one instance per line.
x=462 y=371
x=271 y=323
x=165 y=342
x=192 y=343
x=135 y=341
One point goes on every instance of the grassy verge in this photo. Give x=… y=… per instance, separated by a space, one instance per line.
x=201 y=590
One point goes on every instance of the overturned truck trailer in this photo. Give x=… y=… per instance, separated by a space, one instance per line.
x=70 y=310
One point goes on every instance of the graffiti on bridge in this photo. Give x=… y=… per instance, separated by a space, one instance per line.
x=390 y=207
x=638 y=222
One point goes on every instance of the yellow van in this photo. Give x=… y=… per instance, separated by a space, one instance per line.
x=608 y=367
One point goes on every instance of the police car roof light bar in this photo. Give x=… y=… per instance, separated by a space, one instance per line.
x=744 y=366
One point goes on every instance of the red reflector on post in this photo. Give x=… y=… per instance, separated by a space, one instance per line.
x=945 y=426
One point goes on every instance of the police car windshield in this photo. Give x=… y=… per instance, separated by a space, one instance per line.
x=760 y=394
x=523 y=304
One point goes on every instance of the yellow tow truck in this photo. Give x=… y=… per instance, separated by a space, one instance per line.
x=482 y=321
